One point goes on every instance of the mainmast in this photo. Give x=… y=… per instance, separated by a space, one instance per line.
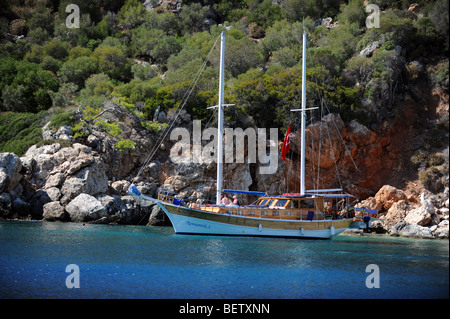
x=220 y=120
x=303 y=119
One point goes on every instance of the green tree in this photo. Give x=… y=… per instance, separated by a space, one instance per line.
x=132 y=13
x=193 y=17
x=78 y=51
x=282 y=34
x=439 y=17
x=78 y=70
x=297 y=10
x=264 y=14
x=144 y=71
x=113 y=62
x=57 y=49
x=353 y=13
x=154 y=44
x=42 y=18
x=28 y=91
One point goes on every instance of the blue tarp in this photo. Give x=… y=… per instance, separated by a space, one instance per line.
x=177 y=201
x=244 y=192
x=133 y=190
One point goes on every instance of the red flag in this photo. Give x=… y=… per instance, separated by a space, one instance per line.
x=286 y=143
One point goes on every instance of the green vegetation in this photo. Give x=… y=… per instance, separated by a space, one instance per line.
x=19 y=131
x=147 y=59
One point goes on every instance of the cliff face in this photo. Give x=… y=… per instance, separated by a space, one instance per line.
x=361 y=160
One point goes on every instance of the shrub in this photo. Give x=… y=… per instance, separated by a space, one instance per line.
x=78 y=70
x=28 y=90
x=112 y=129
x=62 y=118
x=125 y=145
x=113 y=62
x=19 y=131
x=439 y=76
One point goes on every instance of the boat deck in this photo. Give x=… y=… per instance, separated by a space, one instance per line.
x=281 y=208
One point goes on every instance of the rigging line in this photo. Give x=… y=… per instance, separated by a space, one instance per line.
x=180 y=107
x=322 y=98
x=320 y=143
x=347 y=151
x=334 y=157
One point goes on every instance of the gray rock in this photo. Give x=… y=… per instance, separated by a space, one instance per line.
x=368 y=51
x=10 y=166
x=84 y=208
x=54 y=211
x=20 y=207
x=158 y=217
x=90 y=180
x=125 y=211
x=39 y=199
x=5 y=204
x=405 y=229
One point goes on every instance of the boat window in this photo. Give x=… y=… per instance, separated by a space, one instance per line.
x=264 y=213
x=281 y=203
x=251 y=212
x=308 y=203
x=275 y=213
x=270 y=202
x=287 y=213
x=293 y=204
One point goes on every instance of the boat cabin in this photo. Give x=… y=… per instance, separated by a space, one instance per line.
x=286 y=206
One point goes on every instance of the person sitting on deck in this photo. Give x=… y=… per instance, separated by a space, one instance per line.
x=235 y=200
x=225 y=200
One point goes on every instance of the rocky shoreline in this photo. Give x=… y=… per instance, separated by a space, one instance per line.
x=88 y=183
x=69 y=184
x=421 y=216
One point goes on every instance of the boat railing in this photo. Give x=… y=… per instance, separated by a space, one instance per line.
x=256 y=211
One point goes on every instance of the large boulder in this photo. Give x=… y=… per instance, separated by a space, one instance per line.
x=396 y=213
x=423 y=214
x=123 y=210
x=405 y=229
x=84 y=208
x=387 y=196
x=54 y=211
x=158 y=217
x=5 y=205
x=38 y=200
x=10 y=166
x=91 y=180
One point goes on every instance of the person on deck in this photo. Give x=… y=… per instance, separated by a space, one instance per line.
x=225 y=200
x=235 y=201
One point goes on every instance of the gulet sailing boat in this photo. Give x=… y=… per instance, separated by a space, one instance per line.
x=308 y=214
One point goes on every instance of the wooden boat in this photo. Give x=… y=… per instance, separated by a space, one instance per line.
x=308 y=214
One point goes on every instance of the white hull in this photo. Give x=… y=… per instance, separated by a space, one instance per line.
x=183 y=224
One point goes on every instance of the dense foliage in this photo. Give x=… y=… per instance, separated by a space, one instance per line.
x=147 y=58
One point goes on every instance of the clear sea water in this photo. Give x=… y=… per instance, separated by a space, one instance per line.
x=153 y=262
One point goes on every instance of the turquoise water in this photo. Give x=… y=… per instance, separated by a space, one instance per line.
x=149 y=262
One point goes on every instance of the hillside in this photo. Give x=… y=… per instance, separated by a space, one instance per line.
x=387 y=87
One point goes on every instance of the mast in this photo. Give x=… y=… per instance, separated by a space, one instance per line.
x=220 y=120
x=303 y=120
